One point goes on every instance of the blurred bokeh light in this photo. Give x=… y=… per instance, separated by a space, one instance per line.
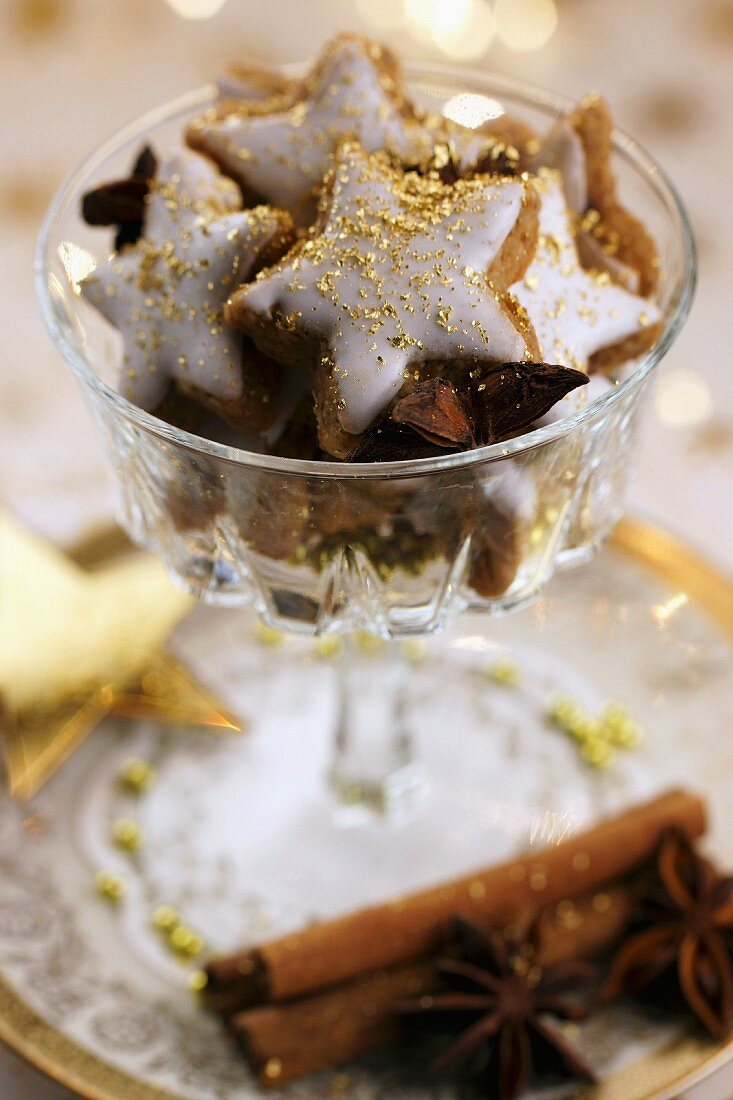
x=472 y=110
x=525 y=24
x=197 y=9
x=683 y=398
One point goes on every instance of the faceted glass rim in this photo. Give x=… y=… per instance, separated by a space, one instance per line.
x=417 y=73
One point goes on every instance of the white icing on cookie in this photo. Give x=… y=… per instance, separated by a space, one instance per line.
x=283 y=155
x=187 y=186
x=592 y=254
x=574 y=312
x=393 y=275
x=166 y=293
x=563 y=150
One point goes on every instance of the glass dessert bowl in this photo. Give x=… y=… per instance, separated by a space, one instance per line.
x=392 y=548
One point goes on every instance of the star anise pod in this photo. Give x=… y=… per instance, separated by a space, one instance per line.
x=496 y=998
x=439 y=413
x=121 y=203
x=493 y=404
x=685 y=933
x=386 y=441
x=510 y=397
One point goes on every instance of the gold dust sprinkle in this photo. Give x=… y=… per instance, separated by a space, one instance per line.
x=329 y=648
x=414 y=650
x=183 y=941
x=505 y=672
x=197 y=981
x=273 y=1069
x=137 y=775
x=127 y=835
x=268 y=635
x=369 y=644
x=165 y=918
x=597 y=736
x=109 y=886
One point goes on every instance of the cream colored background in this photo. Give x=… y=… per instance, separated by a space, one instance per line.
x=72 y=71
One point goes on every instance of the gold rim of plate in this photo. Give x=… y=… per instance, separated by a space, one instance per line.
x=660 y=1076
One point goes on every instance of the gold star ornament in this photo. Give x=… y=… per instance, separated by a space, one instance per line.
x=76 y=646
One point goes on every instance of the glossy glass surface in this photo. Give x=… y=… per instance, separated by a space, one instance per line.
x=393 y=548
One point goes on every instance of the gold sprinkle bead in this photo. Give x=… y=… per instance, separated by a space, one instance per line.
x=109 y=886
x=414 y=650
x=597 y=753
x=586 y=728
x=329 y=648
x=629 y=736
x=620 y=727
x=166 y=918
x=137 y=775
x=273 y=1069
x=369 y=644
x=267 y=635
x=564 y=712
x=197 y=981
x=615 y=714
x=185 y=942
x=505 y=672
x=127 y=835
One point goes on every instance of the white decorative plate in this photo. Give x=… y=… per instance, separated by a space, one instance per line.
x=241 y=838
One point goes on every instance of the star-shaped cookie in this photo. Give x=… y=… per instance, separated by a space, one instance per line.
x=280 y=152
x=577 y=313
x=76 y=645
x=166 y=293
x=580 y=146
x=239 y=78
x=399 y=270
x=187 y=187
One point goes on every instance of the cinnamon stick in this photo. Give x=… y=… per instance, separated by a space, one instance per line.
x=285 y=1041
x=412 y=927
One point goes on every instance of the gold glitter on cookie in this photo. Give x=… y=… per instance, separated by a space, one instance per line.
x=281 y=151
x=575 y=312
x=381 y=241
